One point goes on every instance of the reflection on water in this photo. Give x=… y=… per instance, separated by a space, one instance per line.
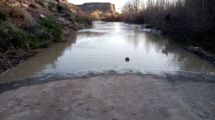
x=105 y=47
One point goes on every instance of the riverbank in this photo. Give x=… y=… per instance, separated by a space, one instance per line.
x=111 y=96
x=202 y=53
x=26 y=26
x=197 y=50
x=12 y=58
x=187 y=22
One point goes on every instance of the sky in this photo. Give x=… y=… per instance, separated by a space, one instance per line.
x=118 y=3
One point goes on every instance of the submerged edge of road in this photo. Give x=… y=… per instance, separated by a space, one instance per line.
x=170 y=77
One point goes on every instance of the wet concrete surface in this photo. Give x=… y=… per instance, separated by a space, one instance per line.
x=113 y=97
x=106 y=46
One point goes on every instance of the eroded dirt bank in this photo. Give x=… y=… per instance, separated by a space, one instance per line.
x=113 y=97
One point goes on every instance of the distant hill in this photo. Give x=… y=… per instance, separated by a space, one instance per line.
x=99 y=10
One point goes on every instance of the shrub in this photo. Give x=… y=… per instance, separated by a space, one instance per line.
x=32 y=36
x=12 y=37
x=39 y=37
x=39 y=43
x=52 y=27
x=19 y=37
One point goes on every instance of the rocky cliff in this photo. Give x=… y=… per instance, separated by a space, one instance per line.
x=103 y=7
x=99 y=10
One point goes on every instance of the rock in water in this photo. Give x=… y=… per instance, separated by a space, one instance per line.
x=127 y=59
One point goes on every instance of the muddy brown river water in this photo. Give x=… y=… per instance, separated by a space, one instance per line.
x=104 y=47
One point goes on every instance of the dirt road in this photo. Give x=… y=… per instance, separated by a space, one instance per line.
x=113 y=97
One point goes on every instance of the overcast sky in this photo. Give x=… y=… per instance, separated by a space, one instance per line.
x=118 y=3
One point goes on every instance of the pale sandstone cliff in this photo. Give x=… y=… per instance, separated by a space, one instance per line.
x=99 y=10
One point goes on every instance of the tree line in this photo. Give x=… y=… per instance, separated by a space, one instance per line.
x=188 y=21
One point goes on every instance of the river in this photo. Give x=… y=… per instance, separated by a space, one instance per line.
x=104 y=47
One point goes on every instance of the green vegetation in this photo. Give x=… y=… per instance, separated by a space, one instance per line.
x=39 y=34
x=12 y=37
x=27 y=25
x=51 y=27
x=187 y=21
x=29 y=37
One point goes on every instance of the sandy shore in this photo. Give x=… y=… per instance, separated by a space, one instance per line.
x=113 y=97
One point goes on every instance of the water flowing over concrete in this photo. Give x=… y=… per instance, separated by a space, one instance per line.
x=105 y=47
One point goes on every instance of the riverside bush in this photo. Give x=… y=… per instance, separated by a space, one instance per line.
x=51 y=27
x=12 y=37
x=33 y=36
